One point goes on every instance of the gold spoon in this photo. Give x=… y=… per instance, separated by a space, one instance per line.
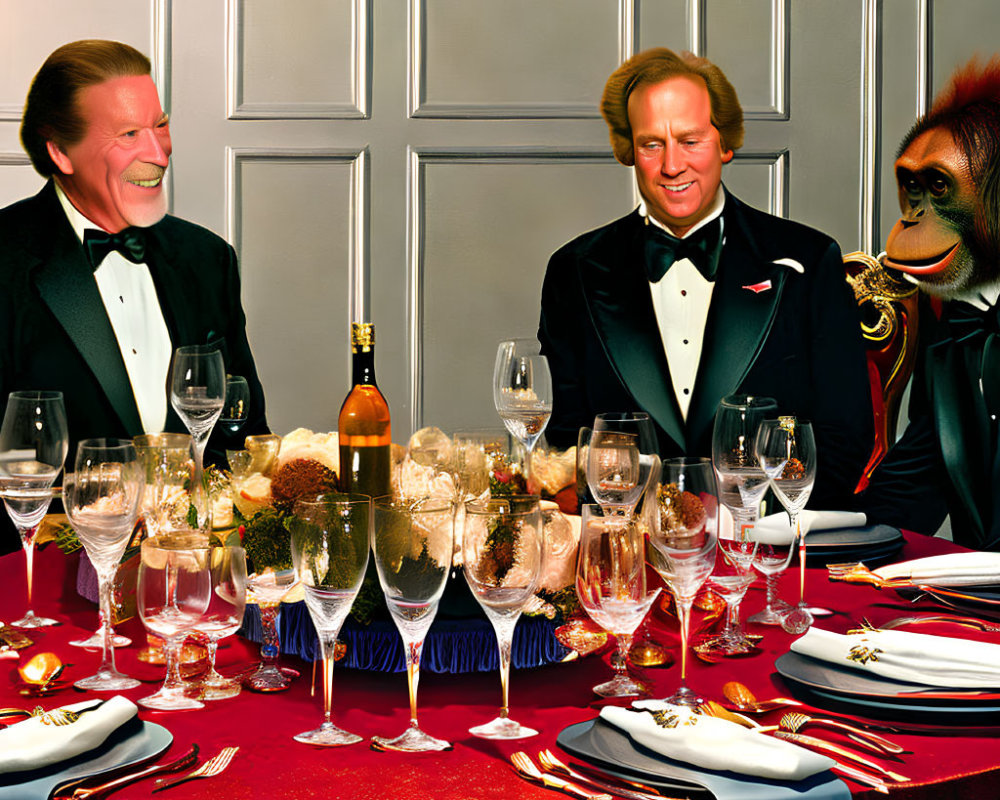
x=740 y=696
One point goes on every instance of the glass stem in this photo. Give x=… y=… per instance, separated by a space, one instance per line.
x=684 y=615
x=328 y=643
x=732 y=616
x=620 y=664
x=413 y=651
x=172 y=652
x=212 y=646
x=203 y=506
x=105 y=581
x=771 y=582
x=505 y=641
x=802 y=559
x=270 y=645
x=29 y=558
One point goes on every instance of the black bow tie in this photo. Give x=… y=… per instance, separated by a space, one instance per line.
x=130 y=242
x=702 y=248
x=965 y=320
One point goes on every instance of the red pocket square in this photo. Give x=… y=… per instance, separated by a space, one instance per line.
x=757 y=288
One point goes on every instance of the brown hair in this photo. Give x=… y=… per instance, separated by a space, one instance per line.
x=654 y=66
x=52 y=112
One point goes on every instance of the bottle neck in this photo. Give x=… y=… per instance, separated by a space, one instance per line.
x=363 y=368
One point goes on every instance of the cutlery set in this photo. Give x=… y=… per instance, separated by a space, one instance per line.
x=596 y=785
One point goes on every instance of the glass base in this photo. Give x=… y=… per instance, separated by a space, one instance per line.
x=736 y=644
x=107 y=681
x=170 y=700
x=215 y=687
x=650 y=654
x=772 y=615
x=684 y=697
x=328 y=735
x=502 y=728
x=267 y=679
x=621 y=686
x=96 y=641
x=413 y=740
x=31 y=620
x=797 y=621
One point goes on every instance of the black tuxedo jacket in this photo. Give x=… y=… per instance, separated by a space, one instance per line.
x=55 y=333
x=948 y=459
x=794 y=336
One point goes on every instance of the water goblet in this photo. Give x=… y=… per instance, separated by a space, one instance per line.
x=522 y=392
x=613 y=470
x=172 y=593
x=33 y=443
x=786 y=448
x=236 y=406
x=101 y=500
x=502 y=548
x=731 y=578
x=632 y=427
x=222 y=617
x=266 y=589
x=197 y=394
x=413 y=546
x=330 y=543
x=611 y=585
x=682 y=517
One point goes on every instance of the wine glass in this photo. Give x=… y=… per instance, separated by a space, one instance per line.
x=101 y=500
x=522 y=392
x=330 y=545
x=742 y=484
x=172 y=594
x=614 y=476
x=222 y=617
x=236 y=406
x=197 y=394
x=682 y=517
x=413 y=547
x=266 y=589
x=611 y=585
x=33 y=443
x=474 y=452
x=786 y=448
x=502 y=549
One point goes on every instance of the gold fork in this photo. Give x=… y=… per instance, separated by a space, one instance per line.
x=526 y=769
x=853 y=572
x=209 y=769
x=551 y=763
x=794 y=721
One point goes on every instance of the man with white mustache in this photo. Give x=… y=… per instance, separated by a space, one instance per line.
x=695 y=295
x=100 y=284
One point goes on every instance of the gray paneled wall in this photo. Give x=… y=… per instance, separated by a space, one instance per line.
x=415 y=162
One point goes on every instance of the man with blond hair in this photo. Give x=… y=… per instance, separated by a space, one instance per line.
x=695 y=295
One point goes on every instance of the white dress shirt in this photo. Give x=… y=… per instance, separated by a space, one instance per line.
x=133 y=308
x=681 y=299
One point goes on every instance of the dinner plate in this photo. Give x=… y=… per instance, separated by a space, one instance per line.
x=881 y=697
x=133 y=743
x=600 y=743
x=870 y=544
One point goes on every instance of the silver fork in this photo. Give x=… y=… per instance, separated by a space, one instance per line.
x=209 y=769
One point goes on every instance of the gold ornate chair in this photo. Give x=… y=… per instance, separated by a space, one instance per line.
x=888 y=308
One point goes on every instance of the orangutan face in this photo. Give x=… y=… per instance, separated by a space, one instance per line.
x=938 y=199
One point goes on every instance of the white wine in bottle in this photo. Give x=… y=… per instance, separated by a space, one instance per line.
x=363 y=426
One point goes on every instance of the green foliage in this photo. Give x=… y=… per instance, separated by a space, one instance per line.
x=67 y=540
x=267 y=541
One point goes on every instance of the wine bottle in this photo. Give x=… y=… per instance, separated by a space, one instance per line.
x=363 y=426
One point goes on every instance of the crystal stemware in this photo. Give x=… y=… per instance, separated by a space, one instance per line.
x=611 y=440
x=413 y=546
x=197 y=394
x=522 y=392
x=101 y=499
x=682 y=517
x=502 y=547
x=236 y=407
x=33 y=443
x=172 y=594
x=611 y=585
x=266 y=589
x=742 y=484
x=330 y=545
x=786 y=448
x=222 y=617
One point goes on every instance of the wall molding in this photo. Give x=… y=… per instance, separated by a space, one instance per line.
x=360 y=202
x=358 y=108
x=778 y=164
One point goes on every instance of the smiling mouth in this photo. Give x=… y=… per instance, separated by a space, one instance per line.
x=924 y=266
x=150 y=183
x=678 y=188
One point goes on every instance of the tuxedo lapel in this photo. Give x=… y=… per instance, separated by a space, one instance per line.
x=65 y=282
x=744 y=302
x=621 y=309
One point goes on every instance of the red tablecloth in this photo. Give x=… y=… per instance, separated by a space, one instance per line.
x=271 y=765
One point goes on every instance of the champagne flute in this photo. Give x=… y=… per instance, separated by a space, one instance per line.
x=502 y=548
x=222 y=617
x=101 y=499
x=522 y=392
x=683 y=522
x=742 y=484
x=413 y=547
x=197 y=394
x=173 y=590
x=330 y=543
x=786 y=448
x=611 y=585
x=236 y=407
x=33 y=443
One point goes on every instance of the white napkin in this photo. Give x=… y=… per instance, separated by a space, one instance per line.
x=775 y=528
x=953 y=569
x=32 y=744
x=912 y=657
x=716 y=744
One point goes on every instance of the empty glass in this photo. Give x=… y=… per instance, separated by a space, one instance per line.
x=223 y=617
